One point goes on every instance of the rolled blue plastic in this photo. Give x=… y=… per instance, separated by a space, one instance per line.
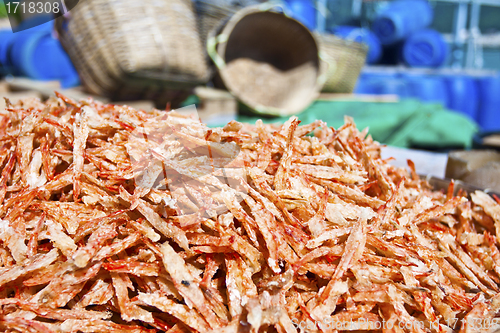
x=362 y=35
x=425 y=48
x=399 y=19
x=303 y=11
x=489 y=103
x=35 y=53
x=6 y=42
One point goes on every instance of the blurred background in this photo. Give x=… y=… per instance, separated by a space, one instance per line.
x=420 y=74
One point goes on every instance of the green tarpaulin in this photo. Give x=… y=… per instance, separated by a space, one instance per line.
x=407 y=123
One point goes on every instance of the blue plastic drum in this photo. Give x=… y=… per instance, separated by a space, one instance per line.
x=6 y=42
x=399 y=19
x=392 y=86
x=425 y=48
x=463 y=95
x=382 y=84
x=366 y=84
x=36 y=54
x=489 y=105
x=7 y=38
x=427 y=88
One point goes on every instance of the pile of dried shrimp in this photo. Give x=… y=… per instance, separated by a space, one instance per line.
x=118 y=220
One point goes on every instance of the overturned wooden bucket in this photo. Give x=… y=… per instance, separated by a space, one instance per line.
x=268 y=60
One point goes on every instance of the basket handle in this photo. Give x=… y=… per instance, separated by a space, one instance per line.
x=212 y=43
x=268 y=6
x=332 y=67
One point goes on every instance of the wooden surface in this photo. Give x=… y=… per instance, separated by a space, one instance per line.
x=47 y=89
x=359 y=98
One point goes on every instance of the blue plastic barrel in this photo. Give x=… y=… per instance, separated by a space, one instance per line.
x=303 y=11
x=366 y=84
x=392 y=86
x=382 y=84
x=362 y=35
x=7 y=37
x=6 y=42
x=428 y=89
x=38 y=55
x=489 y=105
x=463 y=95
x=400 y=19
x=425 y=48
x=37 y=22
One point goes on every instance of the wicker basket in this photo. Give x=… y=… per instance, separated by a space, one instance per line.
x=211 y=13
x=268 y=61
x=132 y=49
x=349 y=58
